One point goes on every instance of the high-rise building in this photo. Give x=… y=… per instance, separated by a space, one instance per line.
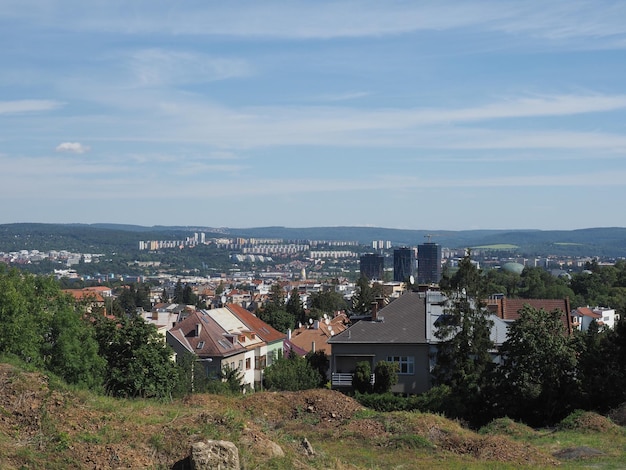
x=428 y=263
x=403 y=264
x=372 y=266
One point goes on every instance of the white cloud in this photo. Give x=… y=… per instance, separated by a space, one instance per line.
x=157 y=67
x=73 y=147
x=28 y=106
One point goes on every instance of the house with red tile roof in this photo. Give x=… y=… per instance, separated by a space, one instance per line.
x=231 y=336
x=509 y=309
x=583 y=316
x=314 y=336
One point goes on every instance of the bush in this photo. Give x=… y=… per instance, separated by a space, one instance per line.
x=386 y=376
x=362 y=378
x=383 y=401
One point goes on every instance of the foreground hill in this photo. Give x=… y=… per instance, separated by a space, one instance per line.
x=45 y=425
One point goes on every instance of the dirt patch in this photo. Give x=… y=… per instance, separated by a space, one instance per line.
x=576 y=453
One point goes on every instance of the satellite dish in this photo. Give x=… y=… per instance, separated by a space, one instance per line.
x=325 y=317
x=310 y=321
x=327 y=321
x=223 y=299
x=411 y=279
x=332 y=333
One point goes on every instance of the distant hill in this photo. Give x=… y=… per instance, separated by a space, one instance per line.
x=605 y=242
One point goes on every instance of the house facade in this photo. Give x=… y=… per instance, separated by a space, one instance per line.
x=396 y=333
x=227 y=337
x=402 y=332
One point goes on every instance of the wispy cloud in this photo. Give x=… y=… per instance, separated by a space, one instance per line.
x=554 y=20
x=28 y=106
x=158 y=67
x=72 y=147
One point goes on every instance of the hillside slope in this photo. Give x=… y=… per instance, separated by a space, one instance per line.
x=45 y=425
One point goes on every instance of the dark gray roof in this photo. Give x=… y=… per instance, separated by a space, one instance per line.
x=402 y=321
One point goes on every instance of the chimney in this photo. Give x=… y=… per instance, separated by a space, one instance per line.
x=374 y=311
x=198 y=329
x=316 y=325
x=289 y=334
x=312 y=346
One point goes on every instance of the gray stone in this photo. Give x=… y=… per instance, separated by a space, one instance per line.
x=214 y=455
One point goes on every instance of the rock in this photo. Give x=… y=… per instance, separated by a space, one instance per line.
x=308 y=448
x=212 y=455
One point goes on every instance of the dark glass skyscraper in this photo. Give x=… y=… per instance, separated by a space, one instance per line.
x=403 y=264
x=372 y=266
x=428 y=263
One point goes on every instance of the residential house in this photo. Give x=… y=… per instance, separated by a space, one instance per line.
x=509 y=309
x=402 y=332
x=396 y=333
x=583 y=316
x=272 y=339
x=213 y=346
x=314 y=336
x=228 y=336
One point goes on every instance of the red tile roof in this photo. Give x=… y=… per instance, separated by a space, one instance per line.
x=262 y=329
x=508 y=309
x=212 y=336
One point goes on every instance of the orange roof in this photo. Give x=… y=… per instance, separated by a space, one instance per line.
x=262 y=329
x=306 y=336
x=587 y=312
x=508 y=309
x=81 y=294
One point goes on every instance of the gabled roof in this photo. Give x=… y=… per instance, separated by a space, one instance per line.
x=586 y=312
x=508 y=309
x=319 y=333
x=403 y=321
x=254 y=323
x=211 y=340
x=82 y=294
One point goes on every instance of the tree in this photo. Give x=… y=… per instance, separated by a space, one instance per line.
x=365 y=295
x=294 y=306
x=71 y=350
x=362 y=378
x=319 y=361
x=291 y=373
x=463 y=358
x=385 y=376
x=327 y=301
x=138 y=359
x=537 y=379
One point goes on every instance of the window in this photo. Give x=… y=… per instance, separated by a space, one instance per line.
x=259 y=362
x=240 y=364
x=200 y=345
x=406 y=364
x=248 y=363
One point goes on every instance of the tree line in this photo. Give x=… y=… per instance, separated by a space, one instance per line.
x=540 y=374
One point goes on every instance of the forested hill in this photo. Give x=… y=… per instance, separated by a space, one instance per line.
x=606 y=242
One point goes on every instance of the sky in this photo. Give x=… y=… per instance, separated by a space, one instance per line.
x=447 y=115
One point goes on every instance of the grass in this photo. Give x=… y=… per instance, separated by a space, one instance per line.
x=44 y=425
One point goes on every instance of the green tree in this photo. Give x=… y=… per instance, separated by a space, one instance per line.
x=319 y=361
x=71 y=350
x=294 y=306
x=138 y=359
x=327 y=301
x=365 y=295
x=385 y=376
x=362 y=378
x=537 y=379
x=291 y=373
x=463 y=358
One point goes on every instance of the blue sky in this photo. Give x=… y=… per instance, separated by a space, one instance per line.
x=420 y=115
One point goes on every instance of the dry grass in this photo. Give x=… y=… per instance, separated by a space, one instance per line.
x=49 y=426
